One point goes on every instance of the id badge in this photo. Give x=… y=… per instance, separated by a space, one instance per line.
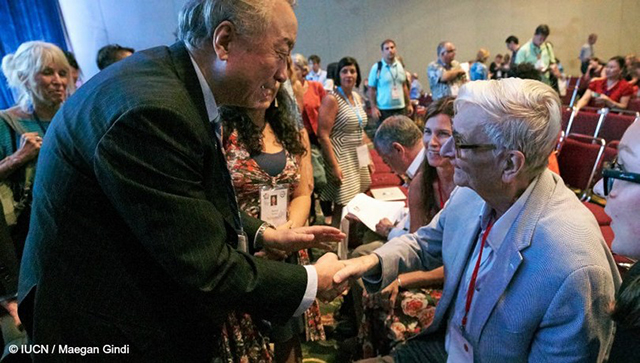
x=273 y=204
x=364 y=158
x=454 y=88
x=539 y=65
x=463 y=349
x=395 y=93
x=243 y=242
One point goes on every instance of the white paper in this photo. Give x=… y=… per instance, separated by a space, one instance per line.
x=364 y=158
x=391 y=193
x=370 y=211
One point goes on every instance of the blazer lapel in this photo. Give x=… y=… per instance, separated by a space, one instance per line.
x=186 y=72
x=509 y=256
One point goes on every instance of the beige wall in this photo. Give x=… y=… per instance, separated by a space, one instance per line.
x=336 y=28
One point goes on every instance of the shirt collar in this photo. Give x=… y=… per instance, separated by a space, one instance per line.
x=502 y=226
x=384 y=62
x=415 y=164
x=209 y=101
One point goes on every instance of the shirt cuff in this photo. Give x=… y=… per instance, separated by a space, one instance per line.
x=310 y=292
x=396 y=232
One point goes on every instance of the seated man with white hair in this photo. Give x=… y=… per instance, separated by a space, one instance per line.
x=528 y=276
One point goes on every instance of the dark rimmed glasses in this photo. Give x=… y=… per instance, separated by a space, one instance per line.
x=613 y=171
x=460 y=145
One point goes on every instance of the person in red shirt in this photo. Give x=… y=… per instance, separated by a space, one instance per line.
x=313 y=95
x=612 y=91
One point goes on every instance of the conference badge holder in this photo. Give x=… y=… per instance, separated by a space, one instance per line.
x=273 y=204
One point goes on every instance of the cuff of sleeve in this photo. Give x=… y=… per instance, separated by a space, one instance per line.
x=396 y=232
x=310 y=292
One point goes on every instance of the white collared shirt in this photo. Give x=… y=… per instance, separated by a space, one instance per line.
x=403 y=226
x=212 y=112
x=494 y=240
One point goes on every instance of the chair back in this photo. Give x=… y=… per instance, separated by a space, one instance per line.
x=615 y=125
x=586 y=123
x=579 y=159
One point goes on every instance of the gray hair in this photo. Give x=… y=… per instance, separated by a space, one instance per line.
x=397 y=128
x=20 y=68
x=198 y=19
x=300 y=60
x=525 y=116
x=441 y=46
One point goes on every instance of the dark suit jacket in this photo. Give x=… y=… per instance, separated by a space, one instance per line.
x=131 y=239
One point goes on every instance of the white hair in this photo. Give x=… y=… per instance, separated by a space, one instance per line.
x=525 y=116
x=198 y=19
x=20 y=68
x=300 y=60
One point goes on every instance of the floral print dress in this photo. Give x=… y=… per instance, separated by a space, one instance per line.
x=241 y=340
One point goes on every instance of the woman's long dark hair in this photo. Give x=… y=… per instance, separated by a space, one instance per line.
x=442 y=106
x=627 y=308
x=281 y=118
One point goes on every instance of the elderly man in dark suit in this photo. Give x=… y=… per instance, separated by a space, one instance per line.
x=135 y=231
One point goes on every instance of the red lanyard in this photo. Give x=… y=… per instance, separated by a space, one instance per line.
x=474 y=276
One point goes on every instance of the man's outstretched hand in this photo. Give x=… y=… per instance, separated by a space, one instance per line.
x=291 y=240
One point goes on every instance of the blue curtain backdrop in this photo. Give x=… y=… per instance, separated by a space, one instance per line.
x=24 y=20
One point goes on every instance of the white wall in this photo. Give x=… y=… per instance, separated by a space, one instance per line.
x=138 y=24
x=336 y=28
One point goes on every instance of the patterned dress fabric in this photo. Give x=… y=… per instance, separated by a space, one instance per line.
x=346 y=136
x=242 y=341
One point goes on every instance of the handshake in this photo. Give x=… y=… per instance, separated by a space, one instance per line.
x=334 y=275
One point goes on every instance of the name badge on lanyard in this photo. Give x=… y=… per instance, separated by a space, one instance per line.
x=363 y=156
x=395 y=93
x=274 y=204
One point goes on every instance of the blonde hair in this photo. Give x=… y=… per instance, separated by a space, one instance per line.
x=525 y=116
x=20 y=68
x=482 y=55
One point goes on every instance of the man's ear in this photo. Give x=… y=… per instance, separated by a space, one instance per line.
x=513 y=165
x=397 y=147
x=224 y=34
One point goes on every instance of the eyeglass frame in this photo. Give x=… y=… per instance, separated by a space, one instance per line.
x=461 y=146
x=612 y=171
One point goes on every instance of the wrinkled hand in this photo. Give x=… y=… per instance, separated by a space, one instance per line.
x=389 y=295
x=384 y=227
x=356 y=268
x=326 y=267
x=291 y=240
x=12 y=307
x=30 y=143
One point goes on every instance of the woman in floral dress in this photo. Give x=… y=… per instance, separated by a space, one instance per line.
x=264 y=153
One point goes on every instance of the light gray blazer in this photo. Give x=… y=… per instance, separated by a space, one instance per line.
x=547 y=294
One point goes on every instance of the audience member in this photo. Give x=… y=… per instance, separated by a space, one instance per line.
x=513 y=44
x=595 y=69
x=539 y=52
x=496 y=67
x=264 y=152
x=41 y=76
x=75 y=69
x=478 y=70
x=621 y=186
x=586 y=52
x=628 y=62
x=341 y=124
x=112 y=53
x=388 y=91
x=417 y=90
x=316 y=73
x=635 y=76
x=445 y=74
x=132 y=164
x=612 y=91
x=504 y=227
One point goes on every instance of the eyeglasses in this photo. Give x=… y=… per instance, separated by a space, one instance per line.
x=613 y=171
x=459 y=145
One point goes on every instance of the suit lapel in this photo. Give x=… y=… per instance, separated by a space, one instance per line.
x=509 y=256
x=186 y=72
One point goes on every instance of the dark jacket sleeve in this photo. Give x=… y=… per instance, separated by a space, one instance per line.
x=8 y=263
x=161 y=186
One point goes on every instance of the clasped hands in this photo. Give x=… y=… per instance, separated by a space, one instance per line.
x=333 y=275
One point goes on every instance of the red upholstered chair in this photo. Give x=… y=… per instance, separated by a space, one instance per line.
x=598 y=211
x=614 y=126
x=579 y=158
x=381 y=180
x=425 y=100
x=586 y=123
x=566 y=116
x=634 y=105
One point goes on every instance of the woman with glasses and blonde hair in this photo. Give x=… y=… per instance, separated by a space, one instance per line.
x=621 y=186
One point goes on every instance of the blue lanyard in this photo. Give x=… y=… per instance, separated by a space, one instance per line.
x=353 y=107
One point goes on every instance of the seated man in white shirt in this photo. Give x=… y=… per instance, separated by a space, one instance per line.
x=316 y=73
x=528 y=276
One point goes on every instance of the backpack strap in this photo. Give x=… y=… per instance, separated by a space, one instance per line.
x=378 y=72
